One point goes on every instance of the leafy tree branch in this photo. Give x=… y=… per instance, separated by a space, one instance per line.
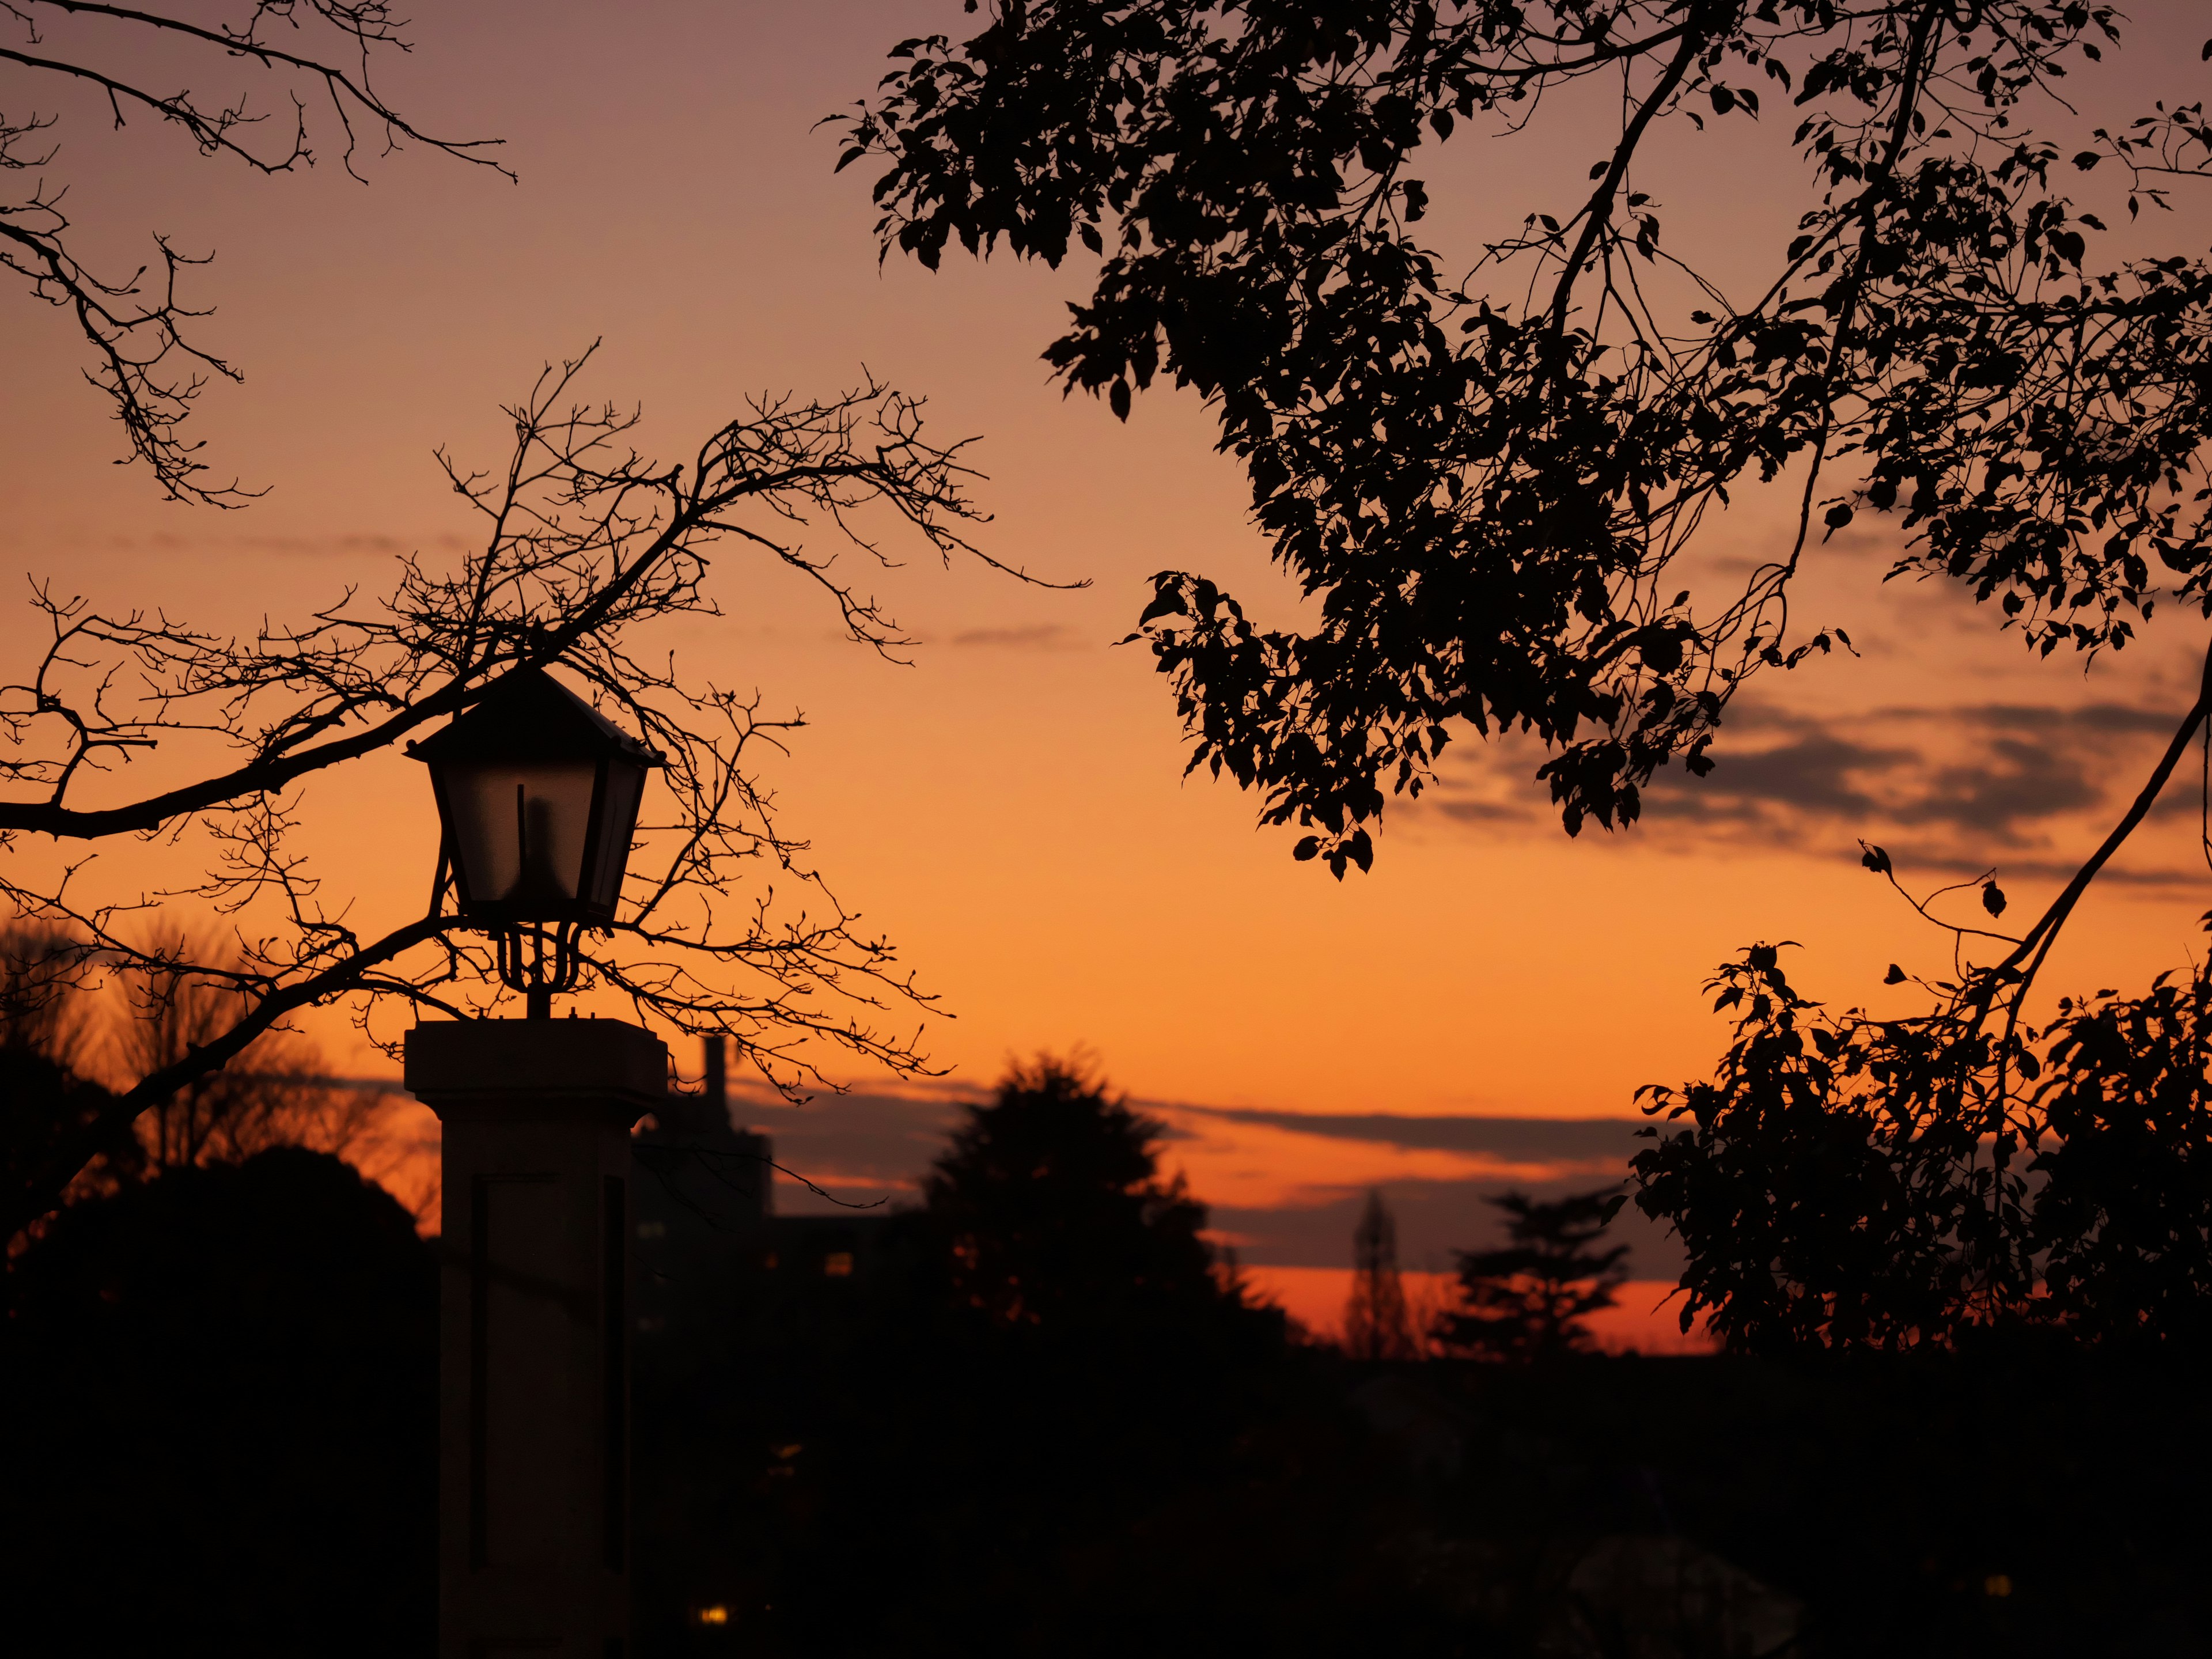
x=1486 y=482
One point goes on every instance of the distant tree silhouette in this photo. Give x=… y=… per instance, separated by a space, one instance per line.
x=61 y=1030
x=1377 y=1325
x=1087 y=1351
x=1052 y=1210
x=45 y=1101
x=41 y=1010
x=270 y=1096
x=1528 y=1300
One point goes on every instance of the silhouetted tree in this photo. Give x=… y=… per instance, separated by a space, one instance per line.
x=1487 y=486
x=64 y=1025
x=1377 y=1325
x=1487 y=483
x=1091 y=1359
x=1054 y=1214
x=269 y=1095
x=45 y=1102
x=1530 y=1300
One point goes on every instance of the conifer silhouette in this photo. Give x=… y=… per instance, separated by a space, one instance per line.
x=1375 y=1322
x=1530 y=1300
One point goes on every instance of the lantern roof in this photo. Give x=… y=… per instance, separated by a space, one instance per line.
x=528 y=715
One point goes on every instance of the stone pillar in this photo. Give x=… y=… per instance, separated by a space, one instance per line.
x=533 y=1544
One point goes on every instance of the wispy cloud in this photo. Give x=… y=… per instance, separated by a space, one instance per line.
x=1286 y=1186
x=1950 y=790
x=1434 y=1219
x=349 y=545
x=1037 y=637
x=1437 y=1174
x=1572 y=1141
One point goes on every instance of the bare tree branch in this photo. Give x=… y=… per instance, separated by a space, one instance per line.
x=147 y=362
x=585 y=546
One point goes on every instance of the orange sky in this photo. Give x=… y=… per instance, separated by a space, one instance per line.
x=1010 y=808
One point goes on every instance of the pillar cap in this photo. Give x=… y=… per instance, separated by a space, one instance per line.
x=535 y=1068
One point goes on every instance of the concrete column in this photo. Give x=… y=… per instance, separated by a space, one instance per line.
x=533 y=1534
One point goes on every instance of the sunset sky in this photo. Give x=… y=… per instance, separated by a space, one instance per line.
x=1010 y=807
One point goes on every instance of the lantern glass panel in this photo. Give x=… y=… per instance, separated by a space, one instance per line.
x=618 y=819
x=519 y=831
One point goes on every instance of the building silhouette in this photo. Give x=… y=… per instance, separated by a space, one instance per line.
x=745 y=1320
x=712 y=1252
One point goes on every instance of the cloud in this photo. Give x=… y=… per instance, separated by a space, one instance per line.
x=1997 y=773
x=1434 y=1218
x=2022 y=784
x=1468 y=811
x=1814 y=775
x=1037 y=637
x=1964 y=787
x=1284 y=1187
x=2094 y=717
x=863 y=1147
x=333 y=544
x=1287 y=1186
x=1309 y=1222
x=1572 y=1141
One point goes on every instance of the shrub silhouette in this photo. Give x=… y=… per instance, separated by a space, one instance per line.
x=220 y=1429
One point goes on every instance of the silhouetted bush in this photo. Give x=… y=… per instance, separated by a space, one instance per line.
x=2025 y=1497
x=221 y=1425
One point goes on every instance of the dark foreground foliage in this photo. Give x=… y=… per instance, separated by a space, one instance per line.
x=220 y=1420
x=2014 y=1500
x=219 y=1434
x=893 y=1483
x=912 y=1461
x=2021 y=1497
x=1888 y=1183
x=1040 y=1418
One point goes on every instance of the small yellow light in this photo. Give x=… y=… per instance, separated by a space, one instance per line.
x=717 y=1615
x=1998 y=1584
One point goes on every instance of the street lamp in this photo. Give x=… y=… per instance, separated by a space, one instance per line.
x=538 y=797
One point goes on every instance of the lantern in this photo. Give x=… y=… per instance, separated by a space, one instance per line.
x=538 y=796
